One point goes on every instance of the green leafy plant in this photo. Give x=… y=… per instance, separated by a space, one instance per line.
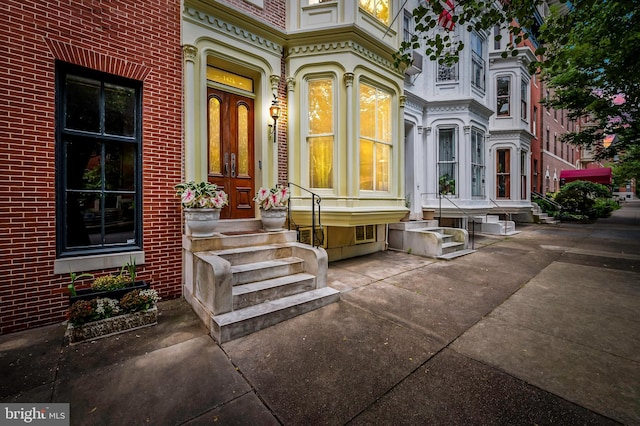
x=131 y=269
x=604 y=206
x=447 y=184
x=74 y=277
x=277 y=196
x=200 y=195
x=579 y=197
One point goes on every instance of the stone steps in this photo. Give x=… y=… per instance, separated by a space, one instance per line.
x=259 y=271
x=262 y=291
x=267 y=284
x=242 y=322
x=424 y=239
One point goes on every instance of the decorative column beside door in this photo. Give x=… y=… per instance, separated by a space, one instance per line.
x=189 y=53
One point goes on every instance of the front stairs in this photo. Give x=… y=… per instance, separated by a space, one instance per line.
x=493 y=225
x=541 y=217
x=426 y=238
x=242 y=282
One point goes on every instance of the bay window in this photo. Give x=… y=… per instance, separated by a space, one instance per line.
x=375 y=138
x=503 y=173
x=320 y=139
x=477 y=61
x=503 y=95
x=477 y=163
x=447 y=163
x=524 y=98
x=377 y=8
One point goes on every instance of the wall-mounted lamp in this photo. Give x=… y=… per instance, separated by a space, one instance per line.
x=274 y=111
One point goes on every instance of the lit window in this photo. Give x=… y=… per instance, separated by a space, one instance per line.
x=320 y=137
x=502 y=99
x=98 y=147
x=375 y=138
x=477 y=163
x=378 y=8
x=447 y=163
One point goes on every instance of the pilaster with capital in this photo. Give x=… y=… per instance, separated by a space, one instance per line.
x=190 y=53
x=349 y=118
x=275 y=82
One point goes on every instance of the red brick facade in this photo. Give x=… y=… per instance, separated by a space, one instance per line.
x=135 y=39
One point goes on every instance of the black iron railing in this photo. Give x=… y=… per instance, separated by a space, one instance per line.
x=317 y=233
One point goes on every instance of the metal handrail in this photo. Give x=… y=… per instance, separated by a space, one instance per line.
x=503 y=211
x=315 y=200
x=466 y=215
x=547 y=199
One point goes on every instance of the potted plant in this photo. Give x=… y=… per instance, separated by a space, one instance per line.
x=273 y=205
x=105 y=316
x=111 y=285
x=202 y=202
x=447 y=184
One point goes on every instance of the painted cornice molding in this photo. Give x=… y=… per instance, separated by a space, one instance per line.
x=521 y=135
x=459 y=105
x=341 y=46
x=231 y=30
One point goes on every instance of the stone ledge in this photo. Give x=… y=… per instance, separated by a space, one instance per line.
x=110 y=326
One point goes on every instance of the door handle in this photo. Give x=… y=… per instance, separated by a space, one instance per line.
x=226 y=164
x=233 y=165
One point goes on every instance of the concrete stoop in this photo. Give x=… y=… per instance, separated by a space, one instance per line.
x=492 y=225
x=425 y=238
x=544 y=218
x=541 y=217
x=249 y=282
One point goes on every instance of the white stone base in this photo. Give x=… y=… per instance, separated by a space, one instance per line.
x=110 y=326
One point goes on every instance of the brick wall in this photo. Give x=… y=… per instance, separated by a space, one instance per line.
x=137 y=39
x=273 y=11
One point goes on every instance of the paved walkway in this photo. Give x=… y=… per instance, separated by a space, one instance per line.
x=537 y=328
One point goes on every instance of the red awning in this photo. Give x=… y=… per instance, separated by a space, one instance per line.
x=601 y=175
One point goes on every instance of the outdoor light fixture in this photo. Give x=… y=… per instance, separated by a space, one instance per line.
x=274 y=111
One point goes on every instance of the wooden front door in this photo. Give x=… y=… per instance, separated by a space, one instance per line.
x=231 y=157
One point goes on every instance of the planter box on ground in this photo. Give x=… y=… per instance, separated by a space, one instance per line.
x=110 y=326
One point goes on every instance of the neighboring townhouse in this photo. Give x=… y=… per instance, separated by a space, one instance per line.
x=556 y=155
x=328 y=66
x=92 y=146
x=468 y=130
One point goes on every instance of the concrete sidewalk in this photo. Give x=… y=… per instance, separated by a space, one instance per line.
x=537 y=328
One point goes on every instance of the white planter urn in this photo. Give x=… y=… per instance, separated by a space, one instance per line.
x=274 y=218
x=201 y=222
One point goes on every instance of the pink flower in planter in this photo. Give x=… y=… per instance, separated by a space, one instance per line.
x=188 y=196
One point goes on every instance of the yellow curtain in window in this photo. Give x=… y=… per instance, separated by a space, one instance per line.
x=214 y=136
x=243 y=140
x=320 y=141
x=366 y=165
x=321 y=162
